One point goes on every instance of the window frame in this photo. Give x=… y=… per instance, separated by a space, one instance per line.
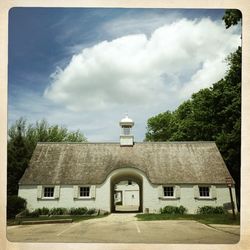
x=205 y=196
x=168 y=196
x=48 y=197
x=82 y=196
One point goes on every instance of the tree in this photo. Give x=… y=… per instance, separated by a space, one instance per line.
x=17 y=161
x=232 y=17
x=160 y=127
x=22 y=141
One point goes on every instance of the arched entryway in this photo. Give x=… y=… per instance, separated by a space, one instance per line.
x=128 y=194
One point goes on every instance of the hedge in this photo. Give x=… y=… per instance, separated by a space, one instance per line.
x=211 y=210
x=173 y=210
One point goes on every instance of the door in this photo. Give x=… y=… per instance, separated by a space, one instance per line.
x=131 y=198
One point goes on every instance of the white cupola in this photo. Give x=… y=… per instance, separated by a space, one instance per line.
x=126 y=137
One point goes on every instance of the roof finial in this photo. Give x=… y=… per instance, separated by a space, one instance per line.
x=126 y=114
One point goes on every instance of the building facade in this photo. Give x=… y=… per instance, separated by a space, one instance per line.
x=98 y=175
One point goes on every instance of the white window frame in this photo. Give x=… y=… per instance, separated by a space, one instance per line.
x=168 y=197
x=48 y=197
x=84 y=197
x=209 y=192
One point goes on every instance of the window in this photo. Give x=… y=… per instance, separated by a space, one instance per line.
x=168 y=191
x=204 y=191
x=48 y=192
x=129 y=182
x=84 y=192
x=126 y=130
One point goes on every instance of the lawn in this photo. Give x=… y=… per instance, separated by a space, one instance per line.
x=205 y=219
x=75 y=218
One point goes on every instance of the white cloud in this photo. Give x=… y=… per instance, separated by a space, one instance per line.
x=140 y=73
x=145 y=71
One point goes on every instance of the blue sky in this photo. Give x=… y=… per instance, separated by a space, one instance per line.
x=85 y=68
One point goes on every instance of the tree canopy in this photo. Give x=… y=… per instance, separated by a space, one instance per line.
x=232 y=17
x=22 y=140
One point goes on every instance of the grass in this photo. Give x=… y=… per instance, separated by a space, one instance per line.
x=75 y=218
x=205 y=219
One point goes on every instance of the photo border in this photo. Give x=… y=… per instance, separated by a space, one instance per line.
x=243 y=5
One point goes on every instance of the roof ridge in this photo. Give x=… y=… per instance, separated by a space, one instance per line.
x=154 y=142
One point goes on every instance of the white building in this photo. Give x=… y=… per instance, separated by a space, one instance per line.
x=191 y=174
x=127 y=196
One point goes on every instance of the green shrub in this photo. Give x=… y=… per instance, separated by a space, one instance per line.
x=91 y=211
x=34 y=213
x=210 y=210
x=78 y=211
x=43 y=211
x=173 y=210
x=58 y=211
x=15 y=205
x=39 y=211
x=182 y=210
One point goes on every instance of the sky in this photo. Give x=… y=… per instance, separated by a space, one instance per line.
x=84 y=68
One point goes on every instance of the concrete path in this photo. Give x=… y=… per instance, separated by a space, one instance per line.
x=124 y=228
x=130 y=208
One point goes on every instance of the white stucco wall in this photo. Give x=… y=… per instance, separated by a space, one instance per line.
x=128 y=191
x=102 y=196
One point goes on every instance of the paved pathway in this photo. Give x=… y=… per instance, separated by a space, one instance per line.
x=124 y=228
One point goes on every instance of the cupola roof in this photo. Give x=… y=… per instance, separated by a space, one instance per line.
x=126 y=121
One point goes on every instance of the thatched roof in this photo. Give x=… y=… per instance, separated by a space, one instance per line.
x=90 y=163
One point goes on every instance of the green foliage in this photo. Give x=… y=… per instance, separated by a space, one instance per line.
x=61 y=211
x=18 y=157
x=203 y=218
x=15 y=205
x=22 y=141
x=232 y=17
x=39 y=211
x=173 y=210
x=210 y=210
x=58 y=211
x=34 y=213
x=43 y=211
x=212 y=114
x=91 y=211
x=78 y=211
x=160 y=127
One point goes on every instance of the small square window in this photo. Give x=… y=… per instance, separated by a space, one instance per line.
x=84 y=192
x=204 y=191
x=48 y=192
x=168 y=191
x=129 y=182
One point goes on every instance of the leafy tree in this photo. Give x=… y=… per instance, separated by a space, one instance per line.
x=232 y=17
x=22 y=140
x=17 y=161
x=160 y=127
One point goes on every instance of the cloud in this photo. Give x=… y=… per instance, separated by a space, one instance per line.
x=137 y=70
x=132 y=23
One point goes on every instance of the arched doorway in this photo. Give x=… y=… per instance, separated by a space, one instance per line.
x=128 y=184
